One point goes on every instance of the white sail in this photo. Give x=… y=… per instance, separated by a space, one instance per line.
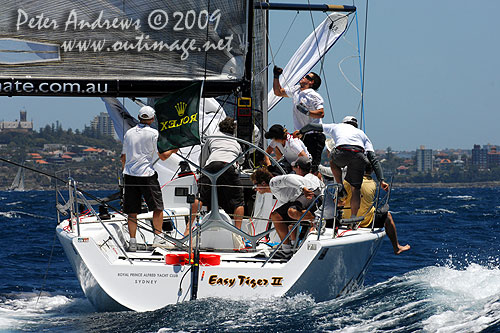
x=18 y=182
x=310 y=52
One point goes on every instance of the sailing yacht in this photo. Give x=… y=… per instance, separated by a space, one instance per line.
x=18 y=182
x=150 y=49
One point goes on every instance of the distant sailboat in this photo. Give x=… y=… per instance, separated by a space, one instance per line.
x=18 y=182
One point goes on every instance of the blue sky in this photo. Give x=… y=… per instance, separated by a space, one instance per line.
x=432 y=75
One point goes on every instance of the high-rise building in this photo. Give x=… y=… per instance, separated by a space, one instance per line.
x=480 y=157
x=424 y=159
x=103 y=124
x=493 y=158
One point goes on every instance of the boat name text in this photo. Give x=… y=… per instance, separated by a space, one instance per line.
x=241 y=280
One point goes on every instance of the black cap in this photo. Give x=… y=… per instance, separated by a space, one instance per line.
x=275 y=132
x=302 y=162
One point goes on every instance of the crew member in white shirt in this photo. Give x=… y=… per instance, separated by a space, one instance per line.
x=307 y=109
x=293 y=192
x=353 y=150
x=284 y=146
x=141 y=180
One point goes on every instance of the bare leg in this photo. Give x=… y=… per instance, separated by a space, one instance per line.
x=337 y=173
x=281 y=228
x=194 y=210
x=355 y=201
x=238 y=216
x=296 y=215
x=390 y=229
x=132 y=224
x=158 y=221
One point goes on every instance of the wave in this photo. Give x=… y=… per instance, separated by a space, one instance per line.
x=13 y=203
x=15 y=214
x=431 y=299
x=461 y=197
x=435 y=211
x=28 y=309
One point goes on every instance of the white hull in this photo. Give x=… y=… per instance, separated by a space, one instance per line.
x=324 y=269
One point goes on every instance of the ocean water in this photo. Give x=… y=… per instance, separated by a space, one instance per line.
x=448 y=282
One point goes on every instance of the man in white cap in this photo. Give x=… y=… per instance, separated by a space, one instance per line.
x=351 y=146
x=141 y=180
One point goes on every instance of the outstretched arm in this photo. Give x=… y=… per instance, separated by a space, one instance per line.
x=277 y=88
x=378 y=169
x=308 y=128
x=166 y=154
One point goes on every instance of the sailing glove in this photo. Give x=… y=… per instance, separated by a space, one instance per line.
x=302 y=109
x=277 y=71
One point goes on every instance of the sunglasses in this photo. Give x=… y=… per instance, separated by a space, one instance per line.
x=309 y=77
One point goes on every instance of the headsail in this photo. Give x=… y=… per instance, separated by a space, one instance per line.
x=122 y=120
x=310 y=52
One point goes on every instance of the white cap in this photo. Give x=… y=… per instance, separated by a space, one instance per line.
x=146 y=112
x=350 y=119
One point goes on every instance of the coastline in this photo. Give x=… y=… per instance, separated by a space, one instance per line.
x=109 y=187
x=447 y=185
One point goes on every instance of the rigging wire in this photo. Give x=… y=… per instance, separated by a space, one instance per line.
x=364 y=62
x=47 y=269
x=269 y=44
x=322 y=62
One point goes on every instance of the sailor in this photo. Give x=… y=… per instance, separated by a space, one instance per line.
x=216 y=154
x=140 y=179
x=286 y=148
x=307 y=109
x=351 y=146
x=294 y=194
x=382 y=217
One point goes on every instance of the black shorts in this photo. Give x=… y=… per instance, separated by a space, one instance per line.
x=283 y=210
x=229 y=197
x=355 y=163
x=300 y=204
x=147 y=187
x=380 y=219
x=315 y=143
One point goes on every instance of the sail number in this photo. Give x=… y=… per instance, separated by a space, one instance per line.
x=158 y=19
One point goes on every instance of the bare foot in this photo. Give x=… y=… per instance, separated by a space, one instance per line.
x=402 y=249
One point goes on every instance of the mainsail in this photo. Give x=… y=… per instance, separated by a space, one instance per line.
x=121 y=48
x=310 y=52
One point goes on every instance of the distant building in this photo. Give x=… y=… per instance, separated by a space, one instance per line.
x=424 y=159
x=103 y=124
x=21 y=125
x=480 y=157
x=493 y=158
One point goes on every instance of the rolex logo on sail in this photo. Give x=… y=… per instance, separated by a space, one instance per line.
x=181 y=108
